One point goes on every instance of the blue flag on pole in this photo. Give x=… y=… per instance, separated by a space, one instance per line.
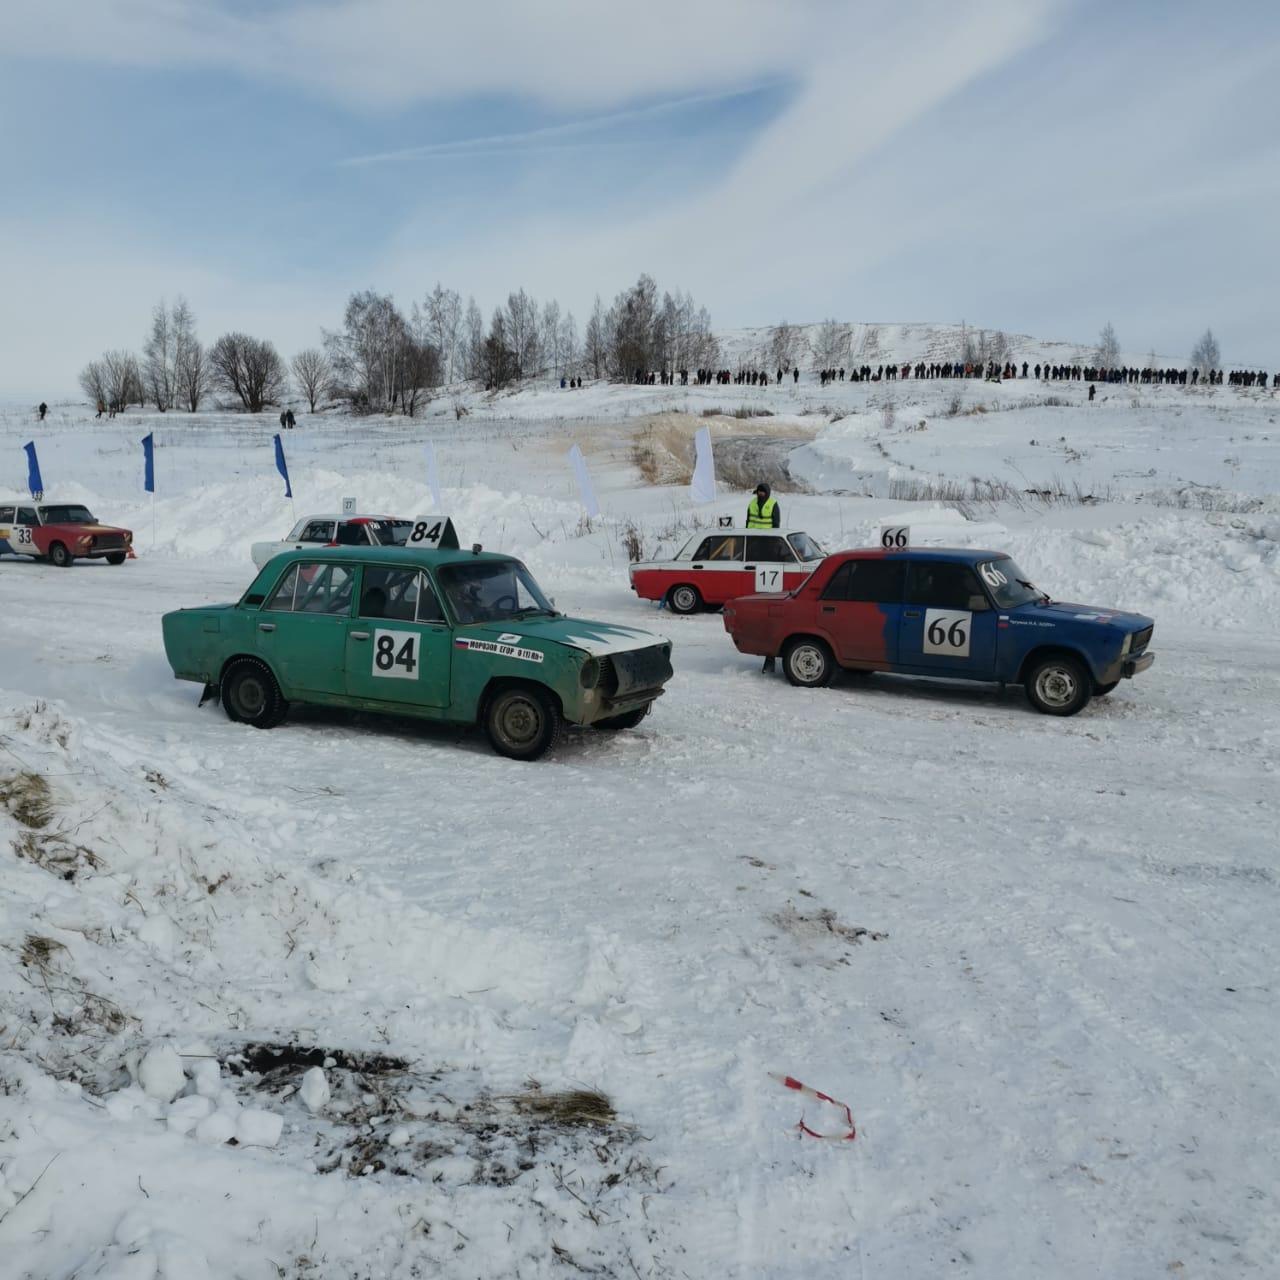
x=282 y=468
x=34 y=482
x=149 y=463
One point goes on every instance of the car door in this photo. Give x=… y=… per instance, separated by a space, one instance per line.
x=302 y=627
x=948 y=626
x=7 y=533
x=399 y=646
x=718 y=571
x=860 y=607
x=770 y=560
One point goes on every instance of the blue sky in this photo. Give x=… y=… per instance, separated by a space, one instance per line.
x=1041 y=166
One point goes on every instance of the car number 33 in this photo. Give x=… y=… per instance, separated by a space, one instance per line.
x=396 y=654
x=946 y=631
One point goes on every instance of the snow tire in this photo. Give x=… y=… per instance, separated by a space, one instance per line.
x=809 y=664
x=522 y=722
x=250 y=695
x=1059 y=685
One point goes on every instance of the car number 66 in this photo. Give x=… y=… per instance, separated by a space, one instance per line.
x=895 y=537
x=946 y=632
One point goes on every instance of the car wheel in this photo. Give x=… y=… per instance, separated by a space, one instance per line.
x=628 y=720
x=250 y=695
x=522 y=722
x=116 y=557
x=684 y=599
x=1058 y=686
x=1101 y=690
x=808 y=663
x=59 y=555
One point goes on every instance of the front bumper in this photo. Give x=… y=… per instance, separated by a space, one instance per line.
x=1131 y=666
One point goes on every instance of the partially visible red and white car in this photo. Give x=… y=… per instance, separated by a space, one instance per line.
x=60 y=532
x=336 y=531
x=713 y=568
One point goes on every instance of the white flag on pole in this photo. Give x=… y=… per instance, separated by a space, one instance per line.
x=703 y=484
x=579 y=465
x=433 y=476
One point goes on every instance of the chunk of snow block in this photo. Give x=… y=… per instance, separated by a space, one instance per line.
x=160 y=1073
x=255 y=1128
x=216 y=1129
x=187 y=1112
x=315 y=1089
x=208 y=1077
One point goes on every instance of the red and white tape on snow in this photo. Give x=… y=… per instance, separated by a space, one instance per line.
x=850 y=1130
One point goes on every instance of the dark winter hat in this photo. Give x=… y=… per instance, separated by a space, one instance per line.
x=763 y=488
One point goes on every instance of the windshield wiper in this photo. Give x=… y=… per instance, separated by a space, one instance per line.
x=1031 y=586
x=530 y=610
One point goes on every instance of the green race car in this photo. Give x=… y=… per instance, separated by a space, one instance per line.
x=460 y=636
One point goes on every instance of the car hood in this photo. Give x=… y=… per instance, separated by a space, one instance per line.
x=596 y=638
x=94 y=528
x=1060 y=611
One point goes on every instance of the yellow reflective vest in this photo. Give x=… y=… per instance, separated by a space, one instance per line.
x=759 y=517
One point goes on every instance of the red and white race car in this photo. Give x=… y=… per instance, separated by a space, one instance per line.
x=60 y=532
x=713 y=568
x=336 y=531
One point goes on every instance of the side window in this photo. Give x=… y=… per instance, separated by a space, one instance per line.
x=429 y=609
x=27 y=515
x=317 y=531
x=324 y=589
x=6 y=515
x=839 y=584
x=772 y=549
x=941 y=584
x=281 y=599
x=352 y=535
x=389 y=593
x=876 y=581
x=720 y=546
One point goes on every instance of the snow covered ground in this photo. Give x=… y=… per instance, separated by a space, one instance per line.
x=1036 y=957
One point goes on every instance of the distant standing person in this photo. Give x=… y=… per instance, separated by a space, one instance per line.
x=43 y=409
x=289 y=420
x=1093 y=391
x=283 y=419
x=763 y=511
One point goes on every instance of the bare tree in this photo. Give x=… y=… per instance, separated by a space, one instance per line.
x=93 y=382
x=498 y=358
x=444 y=327
x=366 y=351
x=190 y=364
x=114 y=382
x=160 y=358
x=831 y=344
x=633 y=330
x=549 y=338
x=522 y=332
x=569 y=351
x=595 y=344
x=1108 y=352
x=313 y=373
x=473 y=341
x=1205 y=354
x=248 y=368
x=784 y=346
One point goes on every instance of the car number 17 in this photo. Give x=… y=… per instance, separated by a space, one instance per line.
x=396 y=654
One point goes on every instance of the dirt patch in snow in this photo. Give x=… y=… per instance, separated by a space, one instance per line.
x=821 y=924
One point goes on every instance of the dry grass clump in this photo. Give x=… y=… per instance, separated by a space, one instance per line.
x=571 y=1107
x=27 y=797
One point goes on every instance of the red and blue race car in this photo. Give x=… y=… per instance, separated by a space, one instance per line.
x=961 y=614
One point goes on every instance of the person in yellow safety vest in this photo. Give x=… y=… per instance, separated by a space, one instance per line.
x=763 y=511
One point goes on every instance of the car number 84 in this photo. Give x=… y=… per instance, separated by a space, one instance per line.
x=396 y=654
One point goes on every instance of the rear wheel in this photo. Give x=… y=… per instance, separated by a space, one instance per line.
x=116 y=557
x=250 y=695
x=522 y=722
x=684 y=599
x=628 y=719
x=808 y=663
x=1058 y=686
x=59 y=555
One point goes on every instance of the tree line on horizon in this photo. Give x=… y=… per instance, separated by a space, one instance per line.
x=380 y=360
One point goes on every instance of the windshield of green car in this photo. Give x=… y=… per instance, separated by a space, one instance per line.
x=1008 y=584
x=806 y=547
x=491 y=591
x=66 y=515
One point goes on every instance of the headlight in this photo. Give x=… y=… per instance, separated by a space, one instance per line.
x=1124 y=648
x=589 y=676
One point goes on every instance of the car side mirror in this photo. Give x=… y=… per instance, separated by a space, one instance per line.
x=978 y=604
